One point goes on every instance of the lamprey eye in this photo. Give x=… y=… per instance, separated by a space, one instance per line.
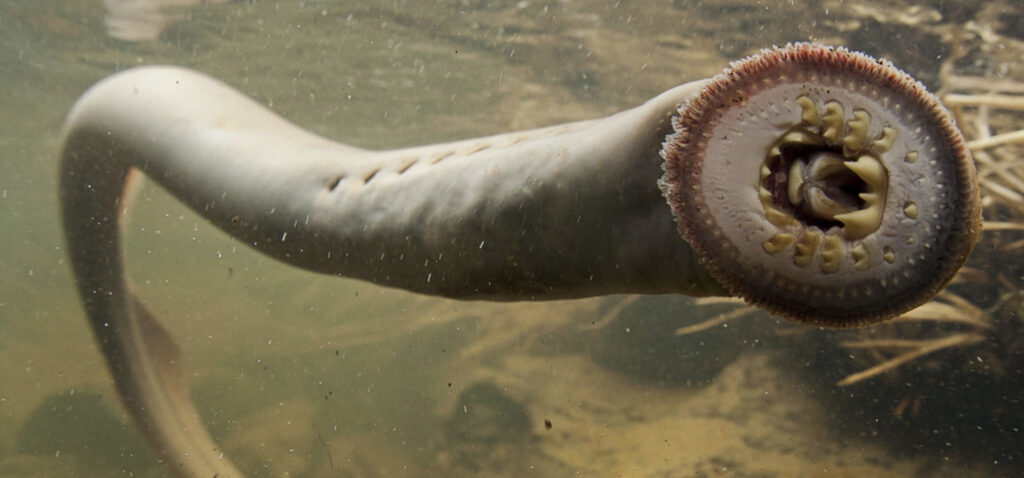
x=824 y=185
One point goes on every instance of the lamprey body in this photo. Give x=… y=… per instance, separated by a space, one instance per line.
x=792 y=187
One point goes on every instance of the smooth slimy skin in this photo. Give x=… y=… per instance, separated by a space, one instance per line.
x=561 y=212
x=567 y=211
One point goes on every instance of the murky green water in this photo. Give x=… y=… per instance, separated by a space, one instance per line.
x=303 y=375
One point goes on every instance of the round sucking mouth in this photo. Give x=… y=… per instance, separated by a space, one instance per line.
x=823 y=179
x=823 y=185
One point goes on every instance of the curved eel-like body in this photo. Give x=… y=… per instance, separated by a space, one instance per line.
x=566 y=211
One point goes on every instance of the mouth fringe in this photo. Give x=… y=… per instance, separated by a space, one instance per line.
x=884 y=247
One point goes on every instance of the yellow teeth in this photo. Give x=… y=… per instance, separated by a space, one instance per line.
x=778 y=217
x=805 y=247
x=833 y=121
x=810 y=112
x=857 y=139
x=778 y=242
x=861 y=260
x=885 y=143
x=813 y=196
x=831 y=253
x=889 y=255
x=860 y=223
x=801 y=137
x=910 y=209
x=795 y=180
